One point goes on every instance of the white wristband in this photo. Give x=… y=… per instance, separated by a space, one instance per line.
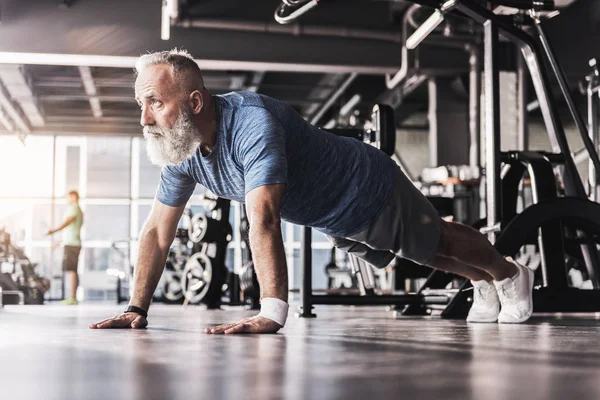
x=274 y=309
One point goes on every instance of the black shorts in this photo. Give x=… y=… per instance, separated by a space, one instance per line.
x=71 y=258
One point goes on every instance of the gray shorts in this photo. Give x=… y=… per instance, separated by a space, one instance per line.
x=407 y=227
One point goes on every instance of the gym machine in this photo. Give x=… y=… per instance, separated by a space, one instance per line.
x=204 y=272
x=564 y=227
x=591 y=89
x=559 y=226
x=19 y=282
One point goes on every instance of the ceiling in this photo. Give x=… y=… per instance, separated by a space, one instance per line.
x=66 y=67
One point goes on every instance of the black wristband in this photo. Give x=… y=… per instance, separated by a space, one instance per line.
x=136 y=310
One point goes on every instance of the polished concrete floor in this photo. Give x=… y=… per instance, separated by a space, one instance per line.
x=47 y=352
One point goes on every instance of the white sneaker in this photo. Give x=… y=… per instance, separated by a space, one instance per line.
x=516 y=295
x=486 y=305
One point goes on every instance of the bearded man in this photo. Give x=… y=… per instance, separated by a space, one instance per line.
x=257 y=150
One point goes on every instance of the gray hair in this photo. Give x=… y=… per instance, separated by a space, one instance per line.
x=182 y=65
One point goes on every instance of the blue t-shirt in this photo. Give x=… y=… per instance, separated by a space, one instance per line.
x=334 y=184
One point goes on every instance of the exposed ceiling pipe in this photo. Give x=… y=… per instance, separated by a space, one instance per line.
x=455 y=41
x=293 y=29
x=173 y=8
x=165 y=22
x=216 y=65
x=393 y=81
x=425 y=30
x=286 y=6
x=169 y=12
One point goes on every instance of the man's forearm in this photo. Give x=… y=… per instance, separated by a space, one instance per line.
x=269 y=260
x=148 y=270
x=63 y=226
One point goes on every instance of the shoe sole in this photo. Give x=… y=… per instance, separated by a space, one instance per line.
x=531 y=276
x=482 y=321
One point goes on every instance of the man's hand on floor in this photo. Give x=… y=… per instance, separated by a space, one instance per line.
x=122 y=321
x=247 y=325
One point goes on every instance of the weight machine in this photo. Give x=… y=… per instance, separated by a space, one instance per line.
x=560 y=225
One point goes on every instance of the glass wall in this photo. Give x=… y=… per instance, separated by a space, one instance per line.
x=117 y=183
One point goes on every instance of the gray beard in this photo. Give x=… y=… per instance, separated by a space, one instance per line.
x=174 y=145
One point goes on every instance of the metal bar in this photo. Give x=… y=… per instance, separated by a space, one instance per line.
x=475 y=105
x=492 y=125
x=316 y=117
x=531 y=52
x=564 y=87
x=306 y=296
x=424 y=30
x=378 y=299
x=556 y=133
x=548 y=299
x=579 y=156
x=550 y=234
x=90 y=90
x=17 y=293
x=52 y=214
x=592 y=104
x=165 y=22
x=294 y=14
x=523 y=132
x=392 y=81
x=256 y=81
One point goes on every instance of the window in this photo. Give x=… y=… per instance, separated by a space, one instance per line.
x=13 y=218
x=320 y=258
x=149 y=174
x=26 y=168
x=42 y=220
x=317 y=237
x=108 y=167
x=106 y=222
x=49 y=265
x=72 y=168
x=96 y=259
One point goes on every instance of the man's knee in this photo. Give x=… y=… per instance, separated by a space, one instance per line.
x=377 y=258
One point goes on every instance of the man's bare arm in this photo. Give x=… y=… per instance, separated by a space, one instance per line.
x=155 y=239
x=263 y=205
x=68 y=221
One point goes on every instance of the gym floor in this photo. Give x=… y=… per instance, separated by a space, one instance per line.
x=346 y=353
